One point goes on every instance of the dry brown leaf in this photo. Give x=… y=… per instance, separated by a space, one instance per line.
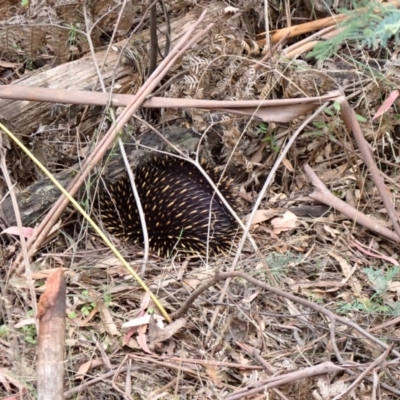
x=157 y=334
x=333 y=232
x=247 y=300
x=331 y=175
x=121 y=288
x=387 y=104
x=169 y=349
x=212 y=372
x=25 y=322
x=6 y=64
x=348 y=272
x=136 y=322
x=313 y=294
x=328 y=151
x=261 y=216
x=258 y=155
x=198 y=275
x=313 y=145
x=88 y=366
x=132 y=344
x=142 y=342
x=286 y=223
x=288 y=164
x=277 y=198
x=81 y=323
x=14 y=230
x=139 y=323
x=110 y=261
x=192 y=283
x=346 y=296
x=108 y=321
x=145 y=303
x=5 y=383
x=346 y=268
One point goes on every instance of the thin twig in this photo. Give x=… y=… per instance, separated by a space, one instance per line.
x=153 y=37
x=139 y=206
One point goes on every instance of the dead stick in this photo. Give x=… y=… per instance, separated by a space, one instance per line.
x=51 y=316
x=323 y=195
x=351 y=122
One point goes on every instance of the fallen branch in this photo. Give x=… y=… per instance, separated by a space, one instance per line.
x=323 y=195
x=350 y=119
x=282 y=110
x=51 y=314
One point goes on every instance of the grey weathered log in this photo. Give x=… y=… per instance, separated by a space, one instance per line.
x=82 y=74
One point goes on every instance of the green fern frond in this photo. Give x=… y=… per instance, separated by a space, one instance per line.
x=371 y=24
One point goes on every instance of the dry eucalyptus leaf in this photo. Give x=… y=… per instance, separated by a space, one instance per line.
x=286 y=223
x=287 y=164
x=261 y=216
x=157 y=335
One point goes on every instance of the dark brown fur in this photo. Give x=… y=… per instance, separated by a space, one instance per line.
x=176 y=199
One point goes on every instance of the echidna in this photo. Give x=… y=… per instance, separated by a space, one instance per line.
x=176 y=199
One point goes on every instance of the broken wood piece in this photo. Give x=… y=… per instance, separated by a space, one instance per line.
x=51 y=314
x=323 y=195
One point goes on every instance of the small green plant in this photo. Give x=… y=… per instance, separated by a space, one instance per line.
x=88 y=307
x=279 y=263
x=16 y=46
x=370 y=306
x=30 y=313
x=264 y=130
x=360 y=118
x=333 y=109
x=29 y=333
x=329 y=125
x=72 y=34
x=380 y=280
x=338 y=193
x=75 y=36
x=72 y=315
x=29 y=64
x=322 y=129
x=3 y=330
x=107 y=298
x=370 y=24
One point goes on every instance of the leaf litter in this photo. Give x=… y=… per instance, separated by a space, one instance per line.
x=326 y=258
